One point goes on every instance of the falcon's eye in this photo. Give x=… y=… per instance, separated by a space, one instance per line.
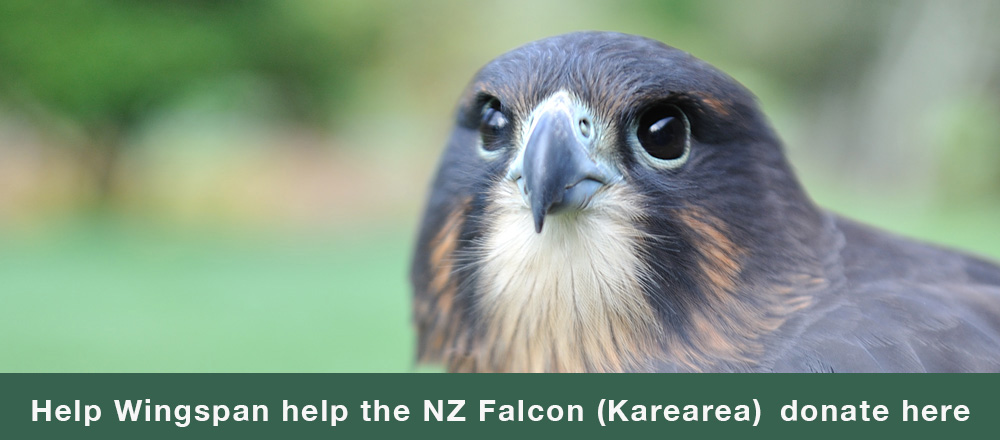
x=664 y=133
x=492 y=124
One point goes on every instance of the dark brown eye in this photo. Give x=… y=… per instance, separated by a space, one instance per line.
x=492 y=123
x=663 y=132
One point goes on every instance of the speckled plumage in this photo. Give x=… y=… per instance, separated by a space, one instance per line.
x=720 y=264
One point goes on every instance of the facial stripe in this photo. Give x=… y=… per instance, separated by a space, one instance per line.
x=732 y=317
x=440 y=324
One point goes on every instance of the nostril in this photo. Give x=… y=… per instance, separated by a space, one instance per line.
x=585 y=127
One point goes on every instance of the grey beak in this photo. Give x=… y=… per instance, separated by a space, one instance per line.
x=558 y=174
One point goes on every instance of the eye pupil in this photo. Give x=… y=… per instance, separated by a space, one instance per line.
x=663 y=132
x=660 y=132
x=492 y=124
x=493 y=120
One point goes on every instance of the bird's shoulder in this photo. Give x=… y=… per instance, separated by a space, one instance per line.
x=898 y=305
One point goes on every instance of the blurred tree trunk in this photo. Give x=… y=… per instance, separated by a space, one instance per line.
x=102 y=158
x=935 y=57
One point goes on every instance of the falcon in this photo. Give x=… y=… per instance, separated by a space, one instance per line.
x=607 y=203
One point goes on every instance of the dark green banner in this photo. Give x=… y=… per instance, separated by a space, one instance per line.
x=417 y=405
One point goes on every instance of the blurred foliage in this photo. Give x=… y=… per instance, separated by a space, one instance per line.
x=108 y=64
x=113 y=61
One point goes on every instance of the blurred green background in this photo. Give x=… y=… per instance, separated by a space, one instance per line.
x=208 y=186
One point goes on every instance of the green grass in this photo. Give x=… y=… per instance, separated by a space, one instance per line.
x=114 y=298
x=960 y=225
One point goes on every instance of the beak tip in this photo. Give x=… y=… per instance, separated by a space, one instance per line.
x=539 y=217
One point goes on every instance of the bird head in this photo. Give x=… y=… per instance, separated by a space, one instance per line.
x=608 y=203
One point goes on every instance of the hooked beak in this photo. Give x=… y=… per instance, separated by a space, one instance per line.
x=556 y=173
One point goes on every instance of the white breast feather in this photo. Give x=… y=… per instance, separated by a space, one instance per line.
x=569 y=298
